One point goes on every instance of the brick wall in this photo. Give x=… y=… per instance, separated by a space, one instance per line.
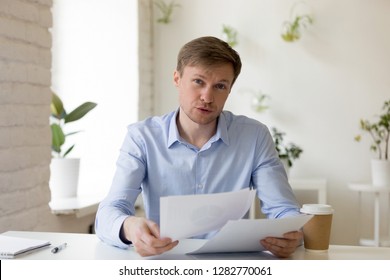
x=145 y=57
x=25 y=79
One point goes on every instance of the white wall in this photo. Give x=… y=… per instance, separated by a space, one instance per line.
x=319 y=87
x=95 y=58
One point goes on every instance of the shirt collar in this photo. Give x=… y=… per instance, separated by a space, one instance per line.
x=173 y=132
x=222 y=131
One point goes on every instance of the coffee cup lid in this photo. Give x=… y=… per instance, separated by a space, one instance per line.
x=317 y=209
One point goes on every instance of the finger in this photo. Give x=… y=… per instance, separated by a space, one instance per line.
x=281 y=242
x=154 y=228
x=145 y=250
x=293 y=235
x=150 y=238
x=153 y=242
x=146 y=239
x=151 y=245
x=155 y=232
x=290 y=239
x=281 y=252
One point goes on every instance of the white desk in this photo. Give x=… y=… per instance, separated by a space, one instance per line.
x=377 y=191
x=89 y=247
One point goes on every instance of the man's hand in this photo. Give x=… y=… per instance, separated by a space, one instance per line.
x=145 y=236
x=283 y=247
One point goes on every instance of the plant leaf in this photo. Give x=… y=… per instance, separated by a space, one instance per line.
x=74 y=132
x=80 y=112
x=68 y=151
x=58 y=137
x=57 y=107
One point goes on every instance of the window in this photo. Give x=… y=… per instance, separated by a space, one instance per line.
x=95 y=58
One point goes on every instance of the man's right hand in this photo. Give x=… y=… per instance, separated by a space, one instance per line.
x=145 y=236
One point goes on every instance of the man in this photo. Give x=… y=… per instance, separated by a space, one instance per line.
x=196 y=149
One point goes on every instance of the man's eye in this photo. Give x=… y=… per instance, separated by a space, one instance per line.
x=220 y=86
x=198 y=81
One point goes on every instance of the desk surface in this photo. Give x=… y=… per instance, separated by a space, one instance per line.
x=89 y=247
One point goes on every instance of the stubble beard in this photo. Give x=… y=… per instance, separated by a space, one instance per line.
x=197 y=117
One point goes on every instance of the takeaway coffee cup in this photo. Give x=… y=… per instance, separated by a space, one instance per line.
x=316 y=232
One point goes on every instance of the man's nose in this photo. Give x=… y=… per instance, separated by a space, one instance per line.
x=207 y=95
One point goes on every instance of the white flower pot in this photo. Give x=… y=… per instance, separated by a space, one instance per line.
x=64 y=177
x=380 y=173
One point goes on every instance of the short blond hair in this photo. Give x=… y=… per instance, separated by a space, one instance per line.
x=208 y=51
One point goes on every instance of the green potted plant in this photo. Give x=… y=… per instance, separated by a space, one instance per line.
x=60 y=117
x=64 y=171
x=379 y=132
x=287 y=152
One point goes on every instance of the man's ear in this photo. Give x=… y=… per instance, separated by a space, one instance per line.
x=176 y=78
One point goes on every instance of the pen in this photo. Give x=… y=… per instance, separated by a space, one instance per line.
x=58 y=248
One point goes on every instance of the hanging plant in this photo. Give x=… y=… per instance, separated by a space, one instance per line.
x=291 y=30
x=166 y=10
x=229 y=35
x=259 y=103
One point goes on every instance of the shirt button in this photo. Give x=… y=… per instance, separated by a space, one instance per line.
x=200 y=186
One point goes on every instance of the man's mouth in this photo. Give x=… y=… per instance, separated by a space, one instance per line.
x=204 y=109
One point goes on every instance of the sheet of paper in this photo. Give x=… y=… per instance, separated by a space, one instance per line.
x=190 y=215
x=244 y=235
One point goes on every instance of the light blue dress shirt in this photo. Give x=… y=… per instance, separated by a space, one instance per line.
x=156 y=161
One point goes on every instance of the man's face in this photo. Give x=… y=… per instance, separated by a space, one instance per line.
x=203 y=91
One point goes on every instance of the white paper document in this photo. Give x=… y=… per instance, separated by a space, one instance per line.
x=244 y=235
x=190 y=215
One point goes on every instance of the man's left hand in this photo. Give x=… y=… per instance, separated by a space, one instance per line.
x=285 y=246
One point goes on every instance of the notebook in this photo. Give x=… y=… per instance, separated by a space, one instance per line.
x=10 y=247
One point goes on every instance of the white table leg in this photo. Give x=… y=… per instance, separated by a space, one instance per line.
x=377 y=220
x=359 y=218
x=388 y=218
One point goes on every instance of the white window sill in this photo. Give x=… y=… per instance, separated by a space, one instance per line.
x=80 y=206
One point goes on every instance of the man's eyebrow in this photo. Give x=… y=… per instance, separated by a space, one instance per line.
x=199 y=76
x=204 y=77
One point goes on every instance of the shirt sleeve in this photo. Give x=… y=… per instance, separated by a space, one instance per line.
x=270 y=179
x=125 y=188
